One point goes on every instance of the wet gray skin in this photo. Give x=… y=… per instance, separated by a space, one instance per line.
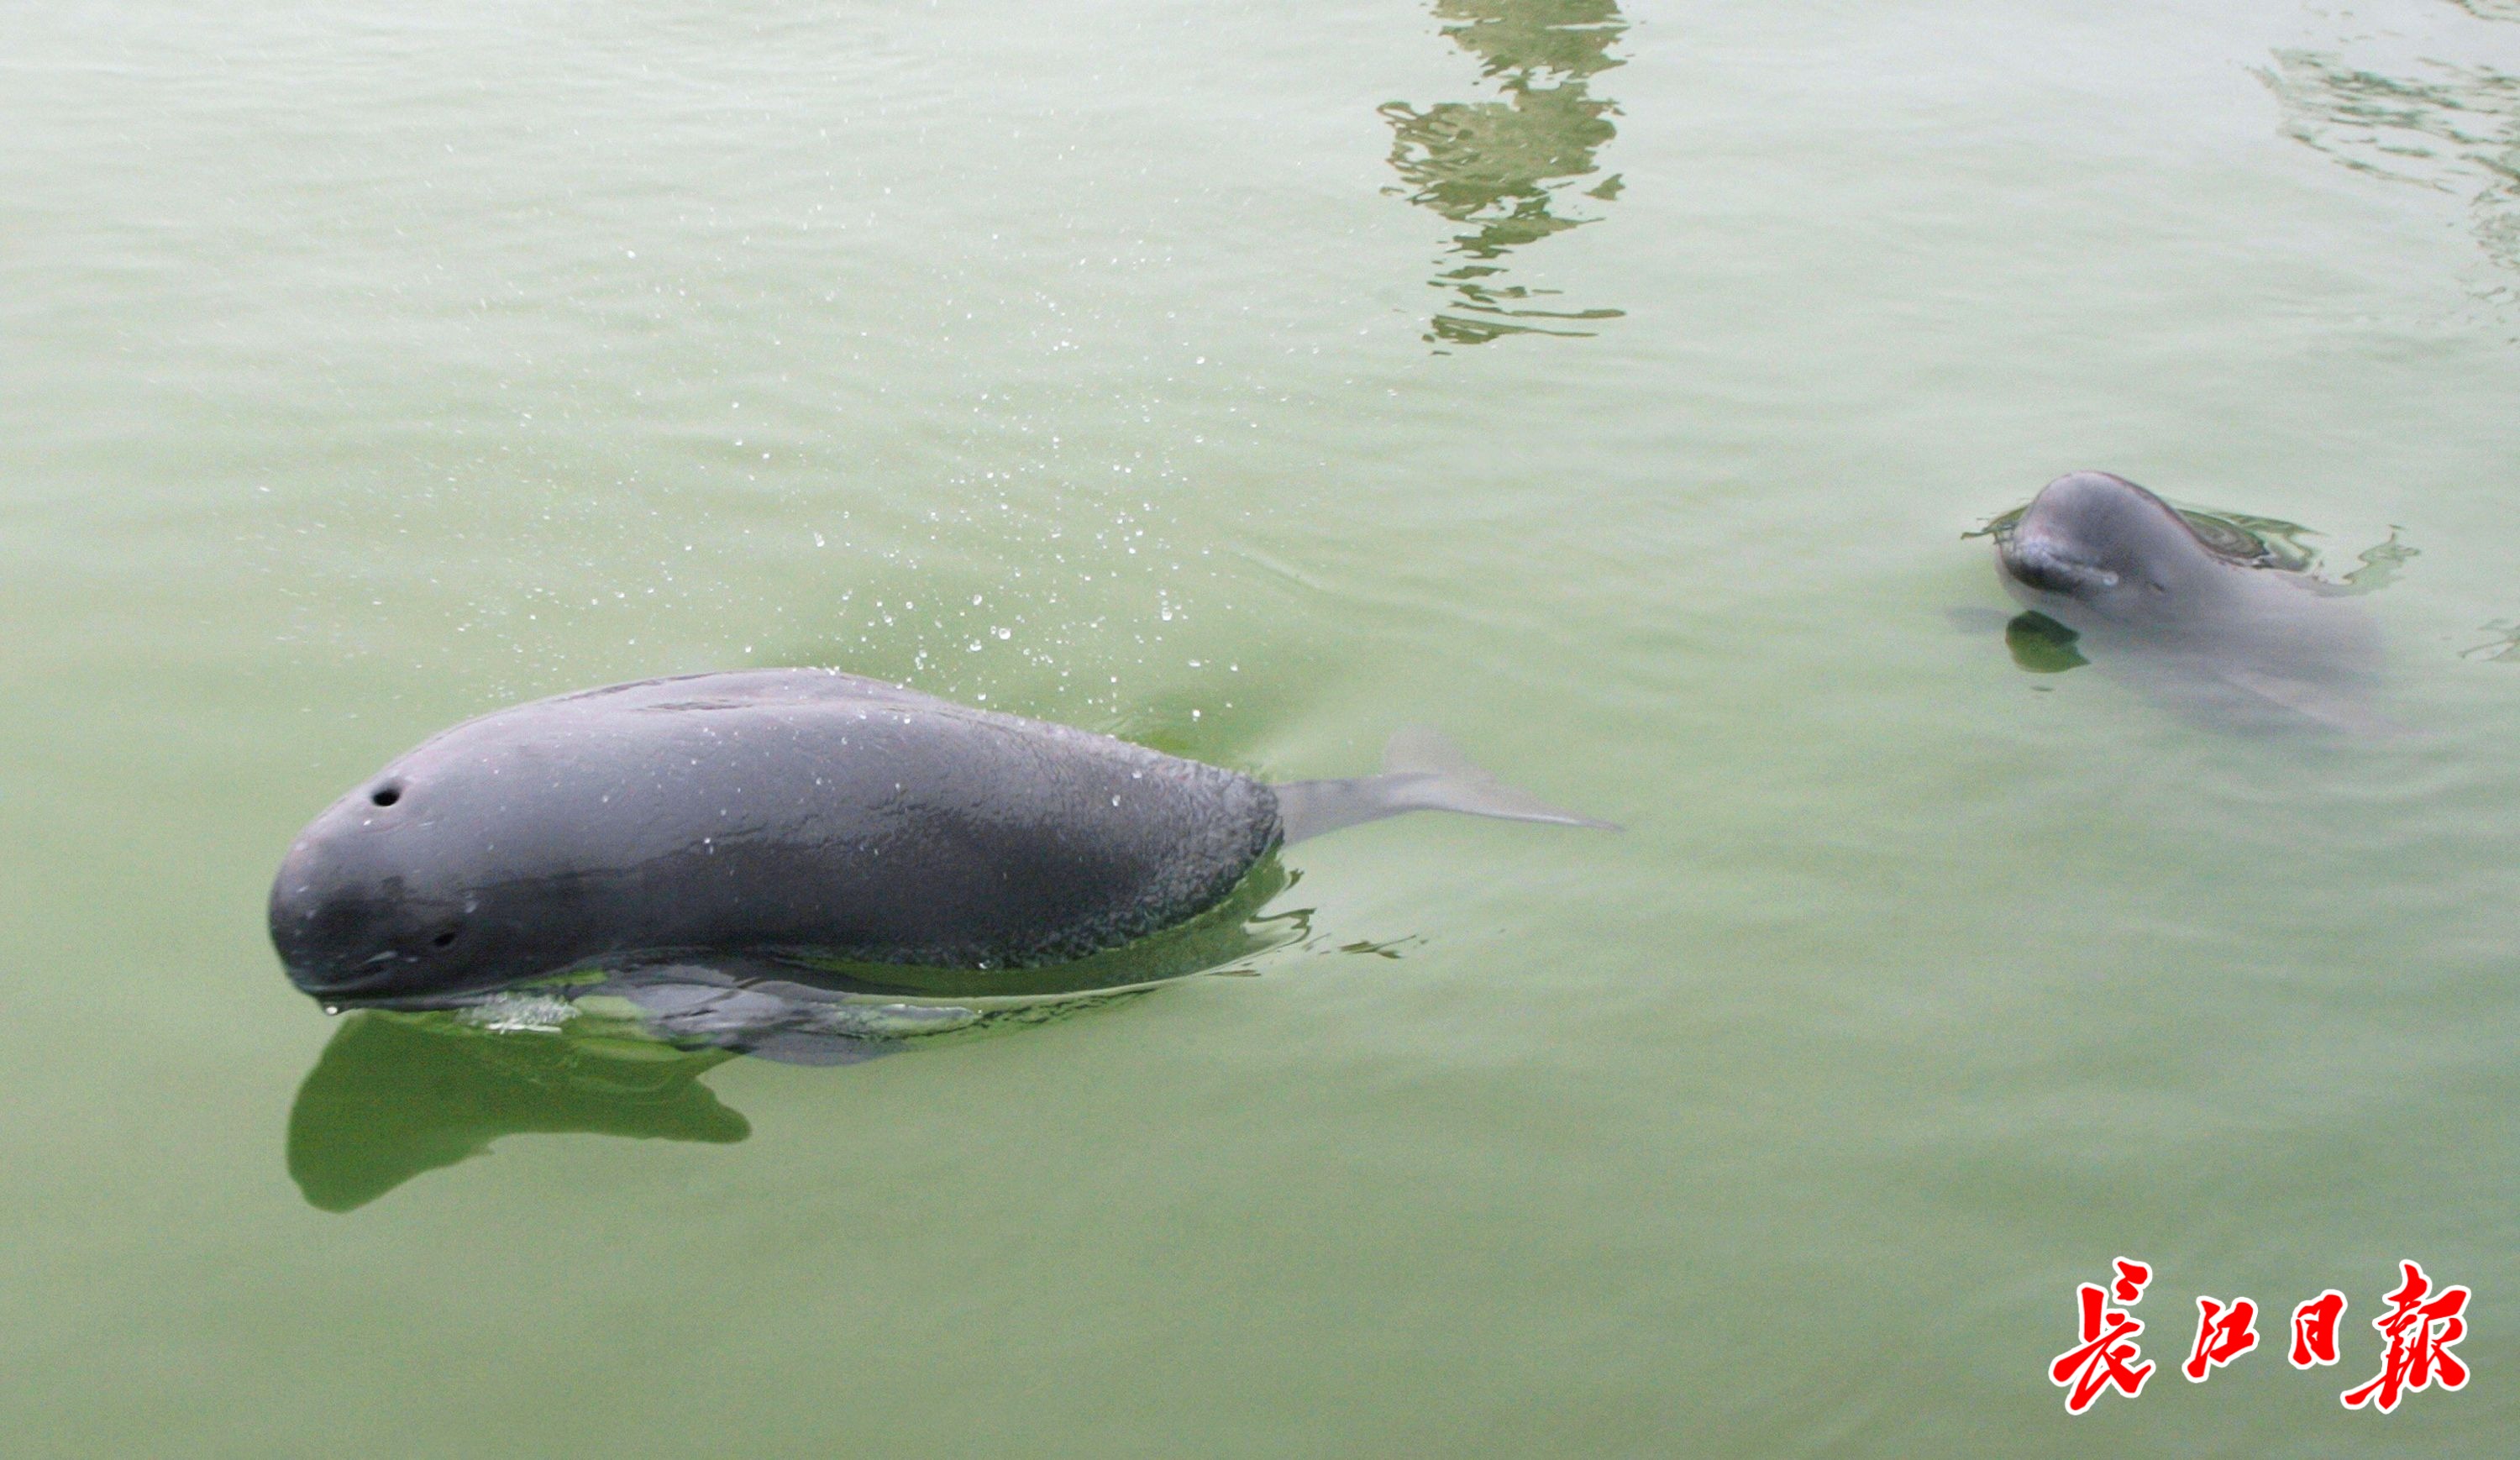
x=793 y=815
x=2143 y=594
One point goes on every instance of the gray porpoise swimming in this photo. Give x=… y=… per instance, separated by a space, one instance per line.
x=789 y=813
x=2144 y=592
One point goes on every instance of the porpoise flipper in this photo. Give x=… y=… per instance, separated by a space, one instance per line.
x=775 y=1019
x=1422 y=771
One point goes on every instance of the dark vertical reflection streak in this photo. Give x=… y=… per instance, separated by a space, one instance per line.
x=1508 y=168
x=397 y=1095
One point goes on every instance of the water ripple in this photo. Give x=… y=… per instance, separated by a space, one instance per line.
x=1509 y=168
x=2450 y=128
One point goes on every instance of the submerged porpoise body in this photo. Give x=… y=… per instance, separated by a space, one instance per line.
x=789 y=815
x=2142 y=590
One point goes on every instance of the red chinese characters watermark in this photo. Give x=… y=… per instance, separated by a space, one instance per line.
x=2420 y=1327
x=2313 y=1329
x=2418 y=1335
x=2107 y=1354
x=2222 y=1336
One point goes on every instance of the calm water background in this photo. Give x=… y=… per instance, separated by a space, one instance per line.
x=1187 y=372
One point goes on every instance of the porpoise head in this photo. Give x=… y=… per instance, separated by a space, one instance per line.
x=2105 y=542
x=394 y=895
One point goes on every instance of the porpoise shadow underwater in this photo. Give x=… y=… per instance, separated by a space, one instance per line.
x=397 y=1094
x=394 y=1096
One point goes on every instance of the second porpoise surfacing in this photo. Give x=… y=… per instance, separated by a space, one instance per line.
x=2232 y=639
x=796 y=816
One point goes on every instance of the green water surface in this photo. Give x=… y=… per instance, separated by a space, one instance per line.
x=1608 y=385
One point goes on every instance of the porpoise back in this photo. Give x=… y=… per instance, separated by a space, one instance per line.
x=805 y=811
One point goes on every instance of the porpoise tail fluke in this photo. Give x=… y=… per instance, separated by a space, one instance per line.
x=1422 y=771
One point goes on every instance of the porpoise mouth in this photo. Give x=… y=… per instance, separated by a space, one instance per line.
x=370 y=985
x=2041 y=562
x=417 y=1003
x=345 y=985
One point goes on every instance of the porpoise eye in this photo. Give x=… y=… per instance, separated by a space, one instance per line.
x=444 y=940
x=385 y=794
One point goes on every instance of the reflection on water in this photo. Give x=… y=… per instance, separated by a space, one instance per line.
x=398 y=1094
x=2503 y=647
x=621 y=1052
x=2451 y=128
x=2380 y=564
x=1508 y=168
x=2041 y=644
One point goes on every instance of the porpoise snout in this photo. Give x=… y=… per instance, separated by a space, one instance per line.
x=2041 y=562
x=347 y=922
